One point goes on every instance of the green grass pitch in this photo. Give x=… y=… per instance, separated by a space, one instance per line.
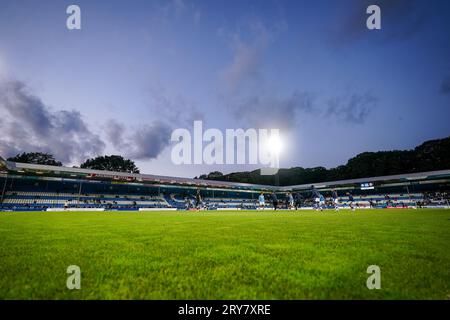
x=226 y=255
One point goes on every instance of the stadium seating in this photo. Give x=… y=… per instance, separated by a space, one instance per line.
x=53 y=199
x=23 y=195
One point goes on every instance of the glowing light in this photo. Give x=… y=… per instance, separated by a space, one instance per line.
x=274 y=144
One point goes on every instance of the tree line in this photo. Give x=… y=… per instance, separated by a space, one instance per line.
x=110 y=163
x=430 y=155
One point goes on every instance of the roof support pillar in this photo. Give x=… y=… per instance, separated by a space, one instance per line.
x=4 y=189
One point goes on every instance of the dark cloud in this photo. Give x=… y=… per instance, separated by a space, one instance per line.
x=445 y=85
x=27 y=124
x=141 y=143
x=174 y=109
x=30 y=125
x=267 y=111
x=114 y=132
x=21 y=105
x=245 y=92
x=144 y=142
x=150 y=140
x=400 y=19
x=352 y=109
x=249 y=98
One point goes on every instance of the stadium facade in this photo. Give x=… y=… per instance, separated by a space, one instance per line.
x=42 y=187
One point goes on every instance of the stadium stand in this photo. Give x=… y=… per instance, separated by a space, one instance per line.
x=38 y=187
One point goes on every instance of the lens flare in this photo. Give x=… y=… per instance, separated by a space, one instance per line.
x=274 y=144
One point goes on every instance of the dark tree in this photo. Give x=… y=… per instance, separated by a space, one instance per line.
x=429 y=156
x=215 y=175
x=111 y=163
x=36 y=158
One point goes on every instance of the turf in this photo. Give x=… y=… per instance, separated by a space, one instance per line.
x=226 y=255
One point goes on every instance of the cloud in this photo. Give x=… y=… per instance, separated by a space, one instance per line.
x=248 y=45
x=255 y=102
x=167 y=12
x=445 y=85
x=143 y=142
x=245 y=65
x=114 y=132
x=170 y=10
x=150 y=140
x=175 y=109
x=352 y=109
x=147 y=141
x=30 y=125
x=27 y=124
x=246 y=93
x=268 y=111
x=250 y=100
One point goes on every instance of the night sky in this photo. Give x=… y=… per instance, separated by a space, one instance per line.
x=139 y=69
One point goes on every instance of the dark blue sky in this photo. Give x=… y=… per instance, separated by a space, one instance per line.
x=138 y=69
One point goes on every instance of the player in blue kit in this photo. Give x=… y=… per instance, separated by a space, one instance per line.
x=262 y=201
x=289 y=201
x=321 y=202
x=318 y=199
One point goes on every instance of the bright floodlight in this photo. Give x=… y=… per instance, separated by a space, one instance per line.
x=274 y=144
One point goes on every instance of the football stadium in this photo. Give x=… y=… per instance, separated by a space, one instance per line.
x=138 y=236
x=209 y=158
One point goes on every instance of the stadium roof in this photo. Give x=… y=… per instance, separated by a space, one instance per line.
x=16 y=167
x=429 y=175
